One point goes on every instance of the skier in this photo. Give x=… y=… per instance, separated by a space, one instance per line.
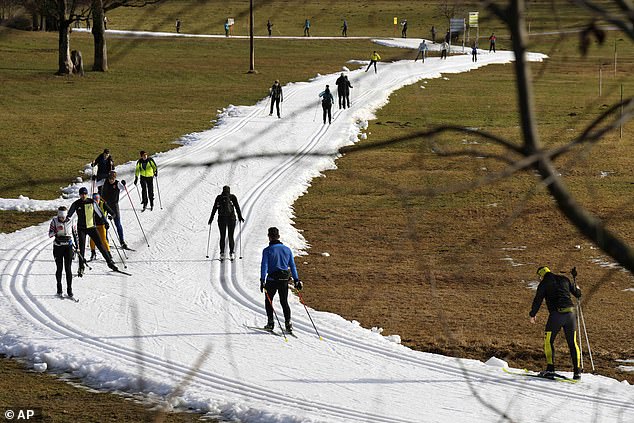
x=344 y=29
x=492 y=40
x=65 y=233
x=343 y=90
x=277 y=259
x=557 y=289
x=110 y=193
x=226 y=204
x=474 y=53
x=105 y=164
x=147 y=170
x=443 y=50
x=86 y=211
x=276 y=96
x=404 y=30
x=433 y=34
x=100 y=222
x=422 y=51
x=226 y=28
x=307 y=28
x=326 y=103
x=373 y=59
x=269 y=26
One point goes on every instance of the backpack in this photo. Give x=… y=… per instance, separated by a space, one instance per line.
x=225 y=206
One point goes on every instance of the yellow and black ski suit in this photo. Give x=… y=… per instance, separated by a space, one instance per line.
x=556 y=289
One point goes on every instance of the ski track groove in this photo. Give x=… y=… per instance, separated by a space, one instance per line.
x=21 y=259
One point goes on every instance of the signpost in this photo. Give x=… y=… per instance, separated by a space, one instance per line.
x=473 y=23
x=395 y=24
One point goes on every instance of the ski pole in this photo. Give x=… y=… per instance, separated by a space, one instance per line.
x=573 y=272
x=301 y=300
x=268 y=103
x=137 y=216
x=125 y=266
x=208 y=238
x=583 y=321
x=82 y=260
x=275 y=313
x=240 y=240
x=158 y=190
x=315 y=115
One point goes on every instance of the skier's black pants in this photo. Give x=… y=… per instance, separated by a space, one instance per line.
x=226 y=224
x=273 y=286
x=342 y=99
x=63 y=259
x=275 y=101
x=327 y=111
x=421 y=53
x=443 y=54
x=555 y=322
x=147 y=190
x=94 y=235
x=371 y=63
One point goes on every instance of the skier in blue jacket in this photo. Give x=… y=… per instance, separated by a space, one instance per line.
x=278 y=265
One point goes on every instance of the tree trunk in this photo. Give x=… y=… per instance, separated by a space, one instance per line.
x=99 y=35
x=65 y=64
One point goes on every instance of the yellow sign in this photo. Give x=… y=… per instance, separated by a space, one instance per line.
x=473 y=19
x=395 y=20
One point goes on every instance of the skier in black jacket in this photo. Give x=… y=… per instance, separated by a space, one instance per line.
x=276 y=96
x=105 y=164
x=326 y=103
x=343 y=90
x=110 y=193
x=226 y=204
x=556 y=289
x=86 y=209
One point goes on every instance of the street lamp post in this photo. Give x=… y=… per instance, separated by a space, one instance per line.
x=251 y=45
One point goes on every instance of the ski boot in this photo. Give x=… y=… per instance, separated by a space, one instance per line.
x=232 y=256
x=113 y=267
x=60 y=295
x=269 y=326
x=222 y=257
x=152 y=207
x=124 y=246
x=144 y=207
x=576 y=374
x=80 y=272
x=289 y=327
x=93 y=255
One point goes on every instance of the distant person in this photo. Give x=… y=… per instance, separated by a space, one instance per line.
x=276 y=270
x=492 y=40
x=556 y=289
x=448 y=37
x=65 y=233
x=373 y=59
x=344 y=28
x=111 y=193
x=226 y=28
x=178 y=26
x=86 y=211
x=326 y=103
x=276 y=96
x=443 y=49
x=343 y=90
x=422 y=51
x=433 y=34
x=105 y=22
x=269 y=26
x=404 y=30
x=146 y=169
x=104 y=163
x=226 y=204
x=307 y=28
x=474 y=53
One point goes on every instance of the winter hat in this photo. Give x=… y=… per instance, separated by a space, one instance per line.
x=542 y=271
x=96 y=196
x=83 y=190
x=62 y=212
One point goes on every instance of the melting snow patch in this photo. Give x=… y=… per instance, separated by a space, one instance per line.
x=324 y=254
x=39 y=367
x=628 y=290
x=394 y=338
x=496 y=362
x=532 y=285
x=376 y=330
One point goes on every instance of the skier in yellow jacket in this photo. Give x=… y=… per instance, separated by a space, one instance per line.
x=147 y=170
x=373 y=59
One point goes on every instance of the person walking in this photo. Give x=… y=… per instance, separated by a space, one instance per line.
x=373 y=59
x=443 y=50
x=86 y=210
x=110 y=193
x=276 y=269
x=276 y=96
x=105 y=22
x=556 y=289
x=404 y=30
x=105 y=164
x=492 y=40
x=100 y=224
x=422 y=51
x=226 y=204
x=343 y=90
x=433 y=34
x=146 y=168
x=178 y=26
x=269 y=26
x=344 y=28
x=448 y=37
x=474 y=53
x=65 y=233
x=307 y=28
x=326 y=103
x=227 y=26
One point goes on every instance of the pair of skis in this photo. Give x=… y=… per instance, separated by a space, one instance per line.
x=272 y=332
x=541 y=375
x=66 y=297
